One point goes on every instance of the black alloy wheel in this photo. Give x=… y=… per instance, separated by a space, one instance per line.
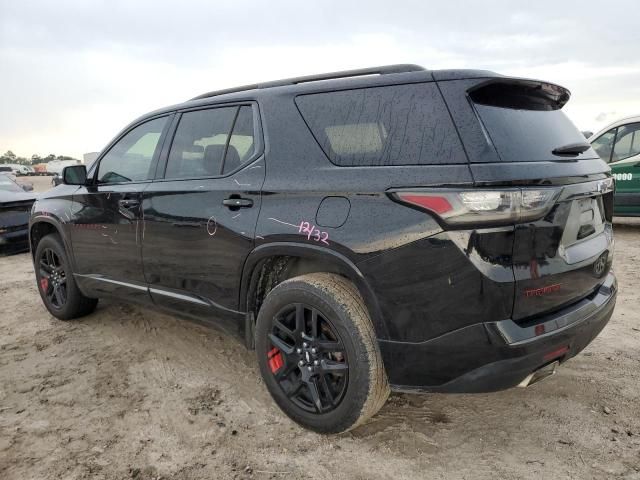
x=317 y=352
x=307 y=358
x=56 y=283
x=53 y=278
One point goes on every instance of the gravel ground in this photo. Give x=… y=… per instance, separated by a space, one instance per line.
x=132 y=393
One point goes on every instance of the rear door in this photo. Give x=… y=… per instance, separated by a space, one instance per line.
x=201 y=212
x=105 y=216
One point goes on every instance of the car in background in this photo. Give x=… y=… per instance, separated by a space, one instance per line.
x=18 y=169
x=15 y=207
x=618 y=144
x=56 y=180
x=7 y=171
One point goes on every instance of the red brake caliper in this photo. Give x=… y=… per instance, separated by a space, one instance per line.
x=44 y=283
x=275 y=359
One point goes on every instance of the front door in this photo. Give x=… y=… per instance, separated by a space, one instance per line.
x=105 y=217
x=200 y=215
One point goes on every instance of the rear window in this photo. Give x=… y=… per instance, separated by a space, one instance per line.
x=382 y=126
x=524 y=122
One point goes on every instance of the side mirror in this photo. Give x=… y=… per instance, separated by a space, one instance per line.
x=74 y=175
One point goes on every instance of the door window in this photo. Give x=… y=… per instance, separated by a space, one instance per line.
x=604 y=144
x=130 y=159
x=241 y=144
x=209 y=143
x=627 y=142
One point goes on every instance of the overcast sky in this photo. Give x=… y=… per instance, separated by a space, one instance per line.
x=75 y=72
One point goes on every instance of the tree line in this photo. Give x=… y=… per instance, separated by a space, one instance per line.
x=10 y=157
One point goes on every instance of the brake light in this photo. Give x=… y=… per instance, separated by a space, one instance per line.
x=479 y=206
x=439 y=205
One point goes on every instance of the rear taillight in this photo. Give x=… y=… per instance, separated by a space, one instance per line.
x=463 y=208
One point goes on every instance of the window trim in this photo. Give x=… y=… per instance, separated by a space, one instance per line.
x=156 y=154
x=258 y=140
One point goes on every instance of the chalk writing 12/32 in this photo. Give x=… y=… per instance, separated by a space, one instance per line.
x=313 y=233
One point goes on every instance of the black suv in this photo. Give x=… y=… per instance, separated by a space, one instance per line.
x=385 y=228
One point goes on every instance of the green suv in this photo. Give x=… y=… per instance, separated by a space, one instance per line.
x=618 y=144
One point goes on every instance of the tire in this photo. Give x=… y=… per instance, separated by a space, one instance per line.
x=340 y=359
x=69 y=302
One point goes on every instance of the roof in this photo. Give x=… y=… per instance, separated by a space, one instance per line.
x=617 y=123
x=360 y=78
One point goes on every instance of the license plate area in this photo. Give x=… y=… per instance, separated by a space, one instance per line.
x=586 y=219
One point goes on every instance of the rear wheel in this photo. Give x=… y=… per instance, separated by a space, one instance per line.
x=318 y=353
x=56 y=284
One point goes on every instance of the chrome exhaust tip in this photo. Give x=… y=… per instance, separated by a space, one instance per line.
x=540 y=374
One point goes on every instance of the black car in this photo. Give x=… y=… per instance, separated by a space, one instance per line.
x=386 y=228
x=15 y=207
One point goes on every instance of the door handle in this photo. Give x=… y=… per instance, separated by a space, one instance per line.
x=128 y=203
x=235 y=203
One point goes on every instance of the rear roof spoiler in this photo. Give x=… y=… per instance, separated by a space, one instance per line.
x=520 y=94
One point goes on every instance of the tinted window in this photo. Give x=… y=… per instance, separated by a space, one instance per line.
x=129 y=160
x=524 y=122
x=604 y=143
x=627 y=142
x=394 y=125
x=198 y=146
x=241 y=144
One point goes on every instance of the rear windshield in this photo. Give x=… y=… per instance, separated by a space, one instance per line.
x=524 y=121
x=391 y=125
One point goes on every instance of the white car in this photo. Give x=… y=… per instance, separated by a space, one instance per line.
x=18 y=169
x=618 y=144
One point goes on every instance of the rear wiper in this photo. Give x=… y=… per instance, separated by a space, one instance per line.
x=571 y=149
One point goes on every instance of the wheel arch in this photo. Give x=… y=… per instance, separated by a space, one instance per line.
x=270 y=264
x=43 y=226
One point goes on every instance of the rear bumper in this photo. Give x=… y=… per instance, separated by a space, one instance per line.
x=497 y=355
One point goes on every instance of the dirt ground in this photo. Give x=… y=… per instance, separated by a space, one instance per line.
x=128 y=393
x=40 y=184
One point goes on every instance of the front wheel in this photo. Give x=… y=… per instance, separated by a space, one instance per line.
x=56 y=284
x=318 y=353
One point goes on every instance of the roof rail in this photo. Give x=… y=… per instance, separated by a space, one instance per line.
x=383 y=70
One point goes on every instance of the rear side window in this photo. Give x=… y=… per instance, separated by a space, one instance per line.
x=211 y=142
x=524 y=122
x=383 y=126
x=198 y=145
